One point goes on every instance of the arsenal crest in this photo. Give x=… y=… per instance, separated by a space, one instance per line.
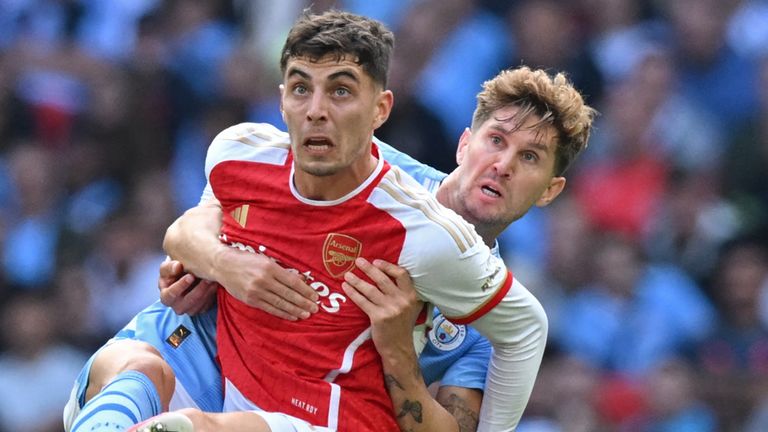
x=339 y=253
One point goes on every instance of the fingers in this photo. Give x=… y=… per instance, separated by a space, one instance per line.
x=379 y=278
x=359 y=299
x=399 y=274
x=297 y=292
x=264 y=284
x=279 y=307
x=171 y=269
x=171 y=292
x=371 y=293
x=198 y=298
x=285 y=303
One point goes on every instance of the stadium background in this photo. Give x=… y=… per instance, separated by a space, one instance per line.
x=653 y=266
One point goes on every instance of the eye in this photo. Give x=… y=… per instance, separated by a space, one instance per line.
x=341 y=92
x=300 y=89
x=496 y=140
x=530 y=157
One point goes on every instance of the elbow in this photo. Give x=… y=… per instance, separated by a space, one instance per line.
x=520 y=323
x=172 y=235
x=539 y=323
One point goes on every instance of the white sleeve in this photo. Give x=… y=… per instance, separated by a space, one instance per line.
x=260 y=142
x=516 y=325
x=474 y=286
x=517 y=355
x=453 y=269
x=207 y=193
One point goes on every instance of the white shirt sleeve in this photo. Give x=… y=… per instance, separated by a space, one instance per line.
x=453 y=269
x=517 y=355
x=505 y=312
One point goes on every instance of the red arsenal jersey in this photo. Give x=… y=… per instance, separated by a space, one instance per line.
x=325 y=369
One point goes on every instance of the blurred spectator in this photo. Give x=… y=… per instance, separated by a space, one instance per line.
x=29 y=252
x=200 y=44
x=36 y=371
x=693 y=222
x=633 y=314
x=454 y=46
x=564 y=398
x=546 y=250
x=733 y=360
x=713 y=75
x=622 y=189
x=744 y=176
x=545 y=35
x=109 y=29
x=673 y=405
x=121 y=271
x=622 y=35
x=71 y=297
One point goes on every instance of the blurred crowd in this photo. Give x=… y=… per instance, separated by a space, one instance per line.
x=653 y=265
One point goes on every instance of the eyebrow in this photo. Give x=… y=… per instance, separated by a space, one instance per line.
x=343 y=73
x=538 y=145
x=535 y=144
x=296 y=71
x=334 y=76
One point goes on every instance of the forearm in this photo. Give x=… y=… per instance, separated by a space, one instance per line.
x=193 y=239
x=517 y=328
x=415 y=408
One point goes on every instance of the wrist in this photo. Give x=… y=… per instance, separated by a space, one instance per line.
x=401 y=363
x=220 y=259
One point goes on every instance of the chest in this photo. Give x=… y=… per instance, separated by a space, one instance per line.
x=321 y=242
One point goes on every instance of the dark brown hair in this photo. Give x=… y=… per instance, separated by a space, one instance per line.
x=368 y=42
x=552 y=98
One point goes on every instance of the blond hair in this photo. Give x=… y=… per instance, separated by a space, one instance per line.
x=552 y=98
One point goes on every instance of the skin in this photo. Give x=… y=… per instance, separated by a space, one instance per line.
x=331 y=108
x=502 y=172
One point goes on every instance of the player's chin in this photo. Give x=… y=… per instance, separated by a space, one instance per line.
x=320 y=168
x=490 y=215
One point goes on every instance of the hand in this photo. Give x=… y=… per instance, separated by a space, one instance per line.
x=259 y=282
x=391 y=304
x=183 y=292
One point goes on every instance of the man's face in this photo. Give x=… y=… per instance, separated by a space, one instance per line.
x=331 y=108
x=504 y=170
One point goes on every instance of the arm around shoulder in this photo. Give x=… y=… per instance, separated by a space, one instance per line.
x=193 y=239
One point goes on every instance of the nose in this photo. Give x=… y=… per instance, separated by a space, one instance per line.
x=504 y=165
x=317 y=109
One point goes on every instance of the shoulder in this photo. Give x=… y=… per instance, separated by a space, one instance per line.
x=254 y=134
x=422 y=215
x=255 y=142
x=427 y=176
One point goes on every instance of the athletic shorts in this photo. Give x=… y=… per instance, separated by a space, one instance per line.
x=186 y=343
x=278 y=422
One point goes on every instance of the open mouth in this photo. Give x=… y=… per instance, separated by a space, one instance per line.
x=318 y=144
x=491 y=192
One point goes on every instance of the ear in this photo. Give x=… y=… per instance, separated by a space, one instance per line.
x=281 y=87
x=556 y=185
x=461 y=150
x=383 y=108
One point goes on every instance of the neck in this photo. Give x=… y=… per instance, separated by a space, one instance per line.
x=446 y=195
x=488 y=234
x=334 y=186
